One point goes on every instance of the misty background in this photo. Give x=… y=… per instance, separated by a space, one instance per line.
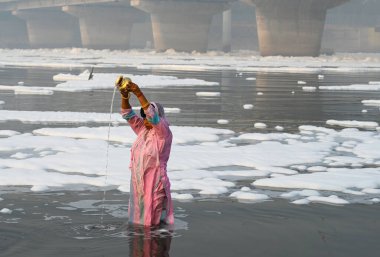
x=350 y=27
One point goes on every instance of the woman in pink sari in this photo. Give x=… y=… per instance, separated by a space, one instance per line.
x=150 y=202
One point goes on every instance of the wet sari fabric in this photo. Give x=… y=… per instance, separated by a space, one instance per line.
x=150 y=201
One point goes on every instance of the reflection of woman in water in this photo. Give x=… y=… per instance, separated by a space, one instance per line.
x=150 y=202
x=143 y=243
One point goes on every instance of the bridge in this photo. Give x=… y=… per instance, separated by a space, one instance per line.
x=284 y=27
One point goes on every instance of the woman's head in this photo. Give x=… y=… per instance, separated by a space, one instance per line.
x=159 y=109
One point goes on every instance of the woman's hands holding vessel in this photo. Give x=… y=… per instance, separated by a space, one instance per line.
x=126 y=86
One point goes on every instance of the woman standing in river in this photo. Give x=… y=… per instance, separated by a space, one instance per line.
x=150 y=201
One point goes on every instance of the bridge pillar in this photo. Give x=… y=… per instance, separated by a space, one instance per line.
x=226 y=38
x=291 y=27
x=13 y=32
x=50 y=28
x=104 y=26
x=180 y=25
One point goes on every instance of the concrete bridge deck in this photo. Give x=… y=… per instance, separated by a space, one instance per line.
x=284 y=27
x=12 y=5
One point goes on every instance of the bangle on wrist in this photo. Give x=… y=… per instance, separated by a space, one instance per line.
x=145 y=105
x=126 y=97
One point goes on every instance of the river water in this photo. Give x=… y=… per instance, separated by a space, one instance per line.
x=68 y=223
x=278 y=99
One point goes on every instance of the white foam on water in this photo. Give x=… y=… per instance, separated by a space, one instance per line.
x=24 y=90
x=52 y=117
x=299 y=167
x=124 y=134
x=6 y=211
x=178 y=196
x=80 y=83
x=279 y=128
x=309 y=89
x=260 y=125
x=252 y=196
x=56 y=217
x=85 y=150
x=353 y=124
x=317 y=169
x=32 y=91
x=335 y=179
x=83 y=237
x=8 y=133
x=241 y=61
x=39 y=188
x=203 y=160
x=332 y=199
x=20 y=155
x=354 y=87
x=371 y=191
x=222 y=121
x=248 y=106
x=298 y=193
x=267 y=136
x=375 y=103
x=85 y=75
x=102 y=81
x=242 y=173
x=208 y=94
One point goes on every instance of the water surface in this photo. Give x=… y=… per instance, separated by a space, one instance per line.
x=69 y=223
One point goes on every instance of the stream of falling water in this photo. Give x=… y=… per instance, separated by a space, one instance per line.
x=107 y=156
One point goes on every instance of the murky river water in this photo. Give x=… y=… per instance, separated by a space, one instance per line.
x=68 y=223
x=278 y=99
x=65 y=224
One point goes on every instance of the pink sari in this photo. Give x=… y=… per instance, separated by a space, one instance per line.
x=150 y=201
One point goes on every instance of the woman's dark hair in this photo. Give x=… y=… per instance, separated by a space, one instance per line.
x=142 y=113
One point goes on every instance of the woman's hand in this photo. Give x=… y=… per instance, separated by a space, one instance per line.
x=134 y=88
x=125 y=93
x=125 y=86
